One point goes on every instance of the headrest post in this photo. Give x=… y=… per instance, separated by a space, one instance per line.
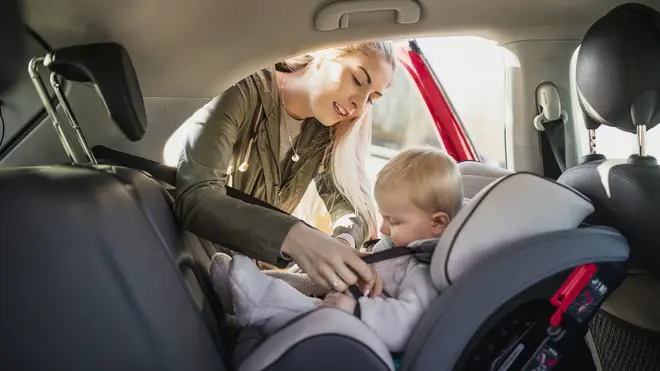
x=641 y=139
x=592 y=141
x=64 y=103
x=40 y=87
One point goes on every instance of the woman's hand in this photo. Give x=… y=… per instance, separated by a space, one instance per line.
x=367 y=288
x=339 y=300
x=327 y=261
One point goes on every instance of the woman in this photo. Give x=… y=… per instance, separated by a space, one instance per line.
x=270 y=135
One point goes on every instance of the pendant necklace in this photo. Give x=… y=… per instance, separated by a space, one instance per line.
x=295 y=156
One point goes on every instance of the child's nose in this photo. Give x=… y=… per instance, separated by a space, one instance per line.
x=385 y=229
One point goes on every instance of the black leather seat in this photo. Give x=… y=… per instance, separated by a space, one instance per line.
x=95 y=273
x=11 y=39
x=619 y=85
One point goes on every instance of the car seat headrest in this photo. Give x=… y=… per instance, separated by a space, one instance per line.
x=618 y=79
x=11 y=39
x=477 y=175
x=109 y=67
x=514 y=207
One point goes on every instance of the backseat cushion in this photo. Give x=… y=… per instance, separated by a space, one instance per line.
x=86 y=283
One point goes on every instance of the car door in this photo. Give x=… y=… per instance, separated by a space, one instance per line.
x=454 y=136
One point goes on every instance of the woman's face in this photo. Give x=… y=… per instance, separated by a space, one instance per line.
x=343 y=87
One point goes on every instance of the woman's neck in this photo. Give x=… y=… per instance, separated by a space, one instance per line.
x=295 y=95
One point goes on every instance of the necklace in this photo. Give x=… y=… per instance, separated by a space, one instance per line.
x=295 y=156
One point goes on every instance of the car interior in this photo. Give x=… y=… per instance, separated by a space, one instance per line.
x=552 y=263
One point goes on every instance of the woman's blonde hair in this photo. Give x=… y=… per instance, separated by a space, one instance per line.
x=350 y=142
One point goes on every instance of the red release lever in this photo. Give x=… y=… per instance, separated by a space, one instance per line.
x=570 y=290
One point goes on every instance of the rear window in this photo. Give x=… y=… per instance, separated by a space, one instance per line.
x=20 y=104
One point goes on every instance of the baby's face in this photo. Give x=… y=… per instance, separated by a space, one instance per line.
x=403 y=221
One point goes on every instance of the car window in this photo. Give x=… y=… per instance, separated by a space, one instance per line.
x=400 y=120
x=472 y=73
x=611 y=142
x=20 y=103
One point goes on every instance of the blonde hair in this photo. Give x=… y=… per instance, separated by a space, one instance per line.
x=431 y=177
x=350 y=143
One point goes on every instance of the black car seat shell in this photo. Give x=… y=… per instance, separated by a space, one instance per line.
x=618 y=83
x=506 y=247
x=95 y=272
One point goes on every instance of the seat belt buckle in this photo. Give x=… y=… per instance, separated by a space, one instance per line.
x=574 y=286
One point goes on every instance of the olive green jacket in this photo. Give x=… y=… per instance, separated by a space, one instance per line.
x=245 y=120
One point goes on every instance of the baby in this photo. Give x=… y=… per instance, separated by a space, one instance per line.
x=418 y=192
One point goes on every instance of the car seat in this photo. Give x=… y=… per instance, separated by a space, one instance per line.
x=95 y=273
x=503 y=266
x=477 y=175
x=618 y=82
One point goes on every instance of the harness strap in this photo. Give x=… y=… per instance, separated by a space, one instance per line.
x=393 y=253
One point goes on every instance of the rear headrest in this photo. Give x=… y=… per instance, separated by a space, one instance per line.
x=109 y=67
x=618 y=74
x=477 y=175
x=12 y=41
x=512 y=208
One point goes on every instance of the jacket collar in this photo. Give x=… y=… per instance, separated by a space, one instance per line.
x=270 y=98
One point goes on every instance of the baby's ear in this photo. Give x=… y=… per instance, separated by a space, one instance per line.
x=440 y=221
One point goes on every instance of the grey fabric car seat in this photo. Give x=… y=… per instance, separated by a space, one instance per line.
x=618 y=81
x=502 y=261
x=478 y=175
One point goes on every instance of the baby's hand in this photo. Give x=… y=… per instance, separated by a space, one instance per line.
x=339 y=300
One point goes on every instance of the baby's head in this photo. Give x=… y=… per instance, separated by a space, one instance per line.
x=418 y=192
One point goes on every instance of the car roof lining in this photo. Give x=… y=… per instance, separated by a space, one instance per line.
x=196 y=49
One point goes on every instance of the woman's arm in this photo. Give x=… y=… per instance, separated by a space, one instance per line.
x=345 y=222
x=201 y=204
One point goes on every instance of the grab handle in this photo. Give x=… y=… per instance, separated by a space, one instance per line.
x=336 y=14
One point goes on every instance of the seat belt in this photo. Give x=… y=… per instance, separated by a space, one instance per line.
x=164 y=173
x=550 y=122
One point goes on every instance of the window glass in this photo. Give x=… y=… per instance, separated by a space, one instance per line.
x=400 y=120
x=611 y=142
x=472 y=73
x=20 y=103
